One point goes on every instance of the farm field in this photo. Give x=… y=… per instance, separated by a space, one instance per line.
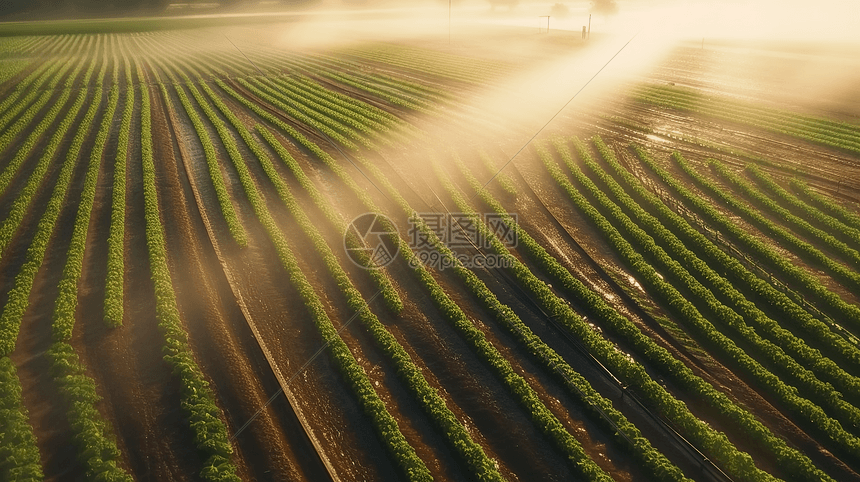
x=660 y=281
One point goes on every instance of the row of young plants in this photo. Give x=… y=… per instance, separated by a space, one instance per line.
x=522 y=392
x=11 y=68
x=19 y=296
x=804 y=412
x=712 y=442
x=755 y=287
x=481 y=466
x=400 y=100
x=322 y=117
x=313 y=64
x=97 y=450
x=67 y=298
x=375 y=125
x=19 y=206
x=197 y=397
x=412 y=87
x=504 y=181
x=830 y=301
x=464 y=69
x=811 y=214
x=624 y=433
x=827 y=205
x=300 y=117
x=362 y=109
x=26 y=85
x=379 y=276
x=22 y=122
x=822 y=135
x=517 y=386
x=813 y=124
x=114 y=282
x=793 y=221
x=278 y=62
x=233 y=224
x=19 y=455
x=393 y=125
x=14 y=104
x=822 y=380
x=391 y=298
x=386 y=426
x=718 y=447
x=320 y=106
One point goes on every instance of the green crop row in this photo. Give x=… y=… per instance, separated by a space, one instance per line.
x=716 y=444
x=848 y=217
x=426 y=92
x=19 y=454
x=114 y=283
x=322 y=118
x=41 y=72
x=385 y=424
x=19 y=296
x=806 y=367
x=426 y=396
x=741 y=277
x=335 y=136
x=390 y=296
x=505 y=181
x=67 y=299
x=19 y=206
x=817 y=125
x=518 y=387
x=810 y=214
x=464 y=69
x=843 y=311
x=96 y=449
x=825 y=136
x=227 y=210
x=786 y=216
x=310 y=89
x=380 y=278
x=357 y=105
x=11 y=68
x=403 y=101
x=542 y=418
x=278 y=61
x=805 y=413
x=625 y=433
x=13 y=105
x=335 y=112
x=197 y=398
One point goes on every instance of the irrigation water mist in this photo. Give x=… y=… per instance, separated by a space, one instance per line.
x=551 y=68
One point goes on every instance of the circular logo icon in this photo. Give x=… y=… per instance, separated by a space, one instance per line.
x=371 y=241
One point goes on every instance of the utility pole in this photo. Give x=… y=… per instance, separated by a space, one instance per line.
x=589 y=26
x=547 y=23
x=449 y=22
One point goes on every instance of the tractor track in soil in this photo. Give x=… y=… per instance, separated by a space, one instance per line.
x=282 y=428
